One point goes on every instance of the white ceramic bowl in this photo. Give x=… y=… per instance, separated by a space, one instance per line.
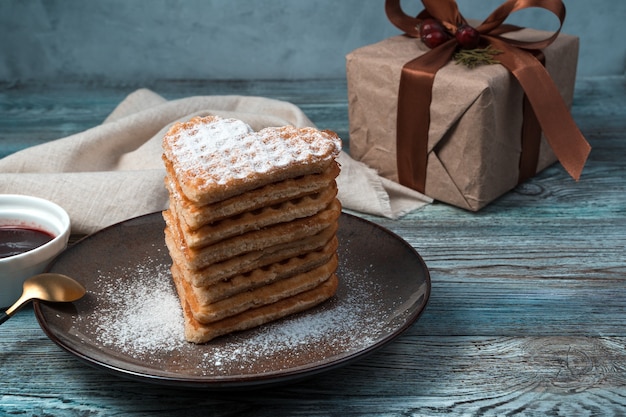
x=36 y=213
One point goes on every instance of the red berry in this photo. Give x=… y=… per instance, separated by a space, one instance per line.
x=433 y=33
x=430 y=25
x=434 y=39
x=467 y=37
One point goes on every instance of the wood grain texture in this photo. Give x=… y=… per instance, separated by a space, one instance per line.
x=528 y=308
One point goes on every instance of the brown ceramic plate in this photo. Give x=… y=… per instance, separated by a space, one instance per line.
x=129 y=322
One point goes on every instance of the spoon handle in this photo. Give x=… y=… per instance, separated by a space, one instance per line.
x=4 y=317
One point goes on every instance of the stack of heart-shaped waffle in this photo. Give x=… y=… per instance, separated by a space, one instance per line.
x=252 y=220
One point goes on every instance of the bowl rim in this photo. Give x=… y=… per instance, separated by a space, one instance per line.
x=43 y=204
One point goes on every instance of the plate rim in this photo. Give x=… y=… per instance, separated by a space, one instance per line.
x=238 y=382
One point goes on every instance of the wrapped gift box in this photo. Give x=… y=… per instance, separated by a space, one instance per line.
x=474 y=140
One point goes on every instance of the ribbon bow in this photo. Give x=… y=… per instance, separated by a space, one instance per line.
x=544 y=110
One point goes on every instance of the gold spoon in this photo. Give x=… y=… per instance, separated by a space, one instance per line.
x=46 y=287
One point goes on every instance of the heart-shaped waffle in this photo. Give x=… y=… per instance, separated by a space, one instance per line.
x=215 y=158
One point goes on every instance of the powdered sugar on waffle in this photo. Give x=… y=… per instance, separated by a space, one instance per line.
x=218 y=151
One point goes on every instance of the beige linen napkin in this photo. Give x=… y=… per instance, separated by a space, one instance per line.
x=113 y=172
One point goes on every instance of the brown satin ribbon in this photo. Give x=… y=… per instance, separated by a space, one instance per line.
x=544 y=108
x=531 y=136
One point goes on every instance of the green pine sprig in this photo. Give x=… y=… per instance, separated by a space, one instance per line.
x=473 y=58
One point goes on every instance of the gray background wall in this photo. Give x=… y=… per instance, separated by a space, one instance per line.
x=135 y=40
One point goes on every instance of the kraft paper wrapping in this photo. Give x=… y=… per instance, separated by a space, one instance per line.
x=474 y=141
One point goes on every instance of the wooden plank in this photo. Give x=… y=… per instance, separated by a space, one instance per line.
x=416 y=375
x=526 y=317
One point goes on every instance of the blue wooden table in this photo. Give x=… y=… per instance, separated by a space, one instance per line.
x=528 y=308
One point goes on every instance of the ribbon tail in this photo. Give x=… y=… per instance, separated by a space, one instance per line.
x=559 y=128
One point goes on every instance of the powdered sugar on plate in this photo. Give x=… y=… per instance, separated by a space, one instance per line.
x=142 y=313
x=142 y=319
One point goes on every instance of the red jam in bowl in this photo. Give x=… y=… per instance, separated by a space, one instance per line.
x=15 y=240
